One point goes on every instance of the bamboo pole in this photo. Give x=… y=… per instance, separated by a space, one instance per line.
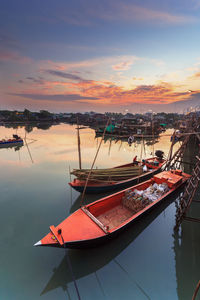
x=79 y=143
x=109 y=147
x=93 y=162
x=172 y=144
x=153 y=133
x=196 y=291
x=107 y=170
x=29 y=152
x=70 y=177
x=141 y=149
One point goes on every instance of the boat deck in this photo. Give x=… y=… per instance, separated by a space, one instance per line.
x=115 y=216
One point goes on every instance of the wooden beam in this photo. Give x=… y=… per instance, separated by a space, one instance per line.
x=94 y=219
x=191 y=219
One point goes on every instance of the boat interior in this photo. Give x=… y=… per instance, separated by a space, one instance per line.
x=112 y=211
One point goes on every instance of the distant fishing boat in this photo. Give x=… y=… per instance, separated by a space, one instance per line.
x=15 y=141
x=106 y=180
x=103 y=219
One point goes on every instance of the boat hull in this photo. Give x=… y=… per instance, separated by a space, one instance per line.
x=8 y=144
x=97 y=189
x=104 y=239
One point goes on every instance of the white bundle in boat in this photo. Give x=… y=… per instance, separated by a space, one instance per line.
x=153 y=192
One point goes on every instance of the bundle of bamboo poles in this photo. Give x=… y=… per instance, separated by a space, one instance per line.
x=108 y=174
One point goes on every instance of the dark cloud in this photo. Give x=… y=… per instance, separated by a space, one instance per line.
x=54 y=97
x=150 y=88
x=38 y=80
x=65 y=75
x=192 y=100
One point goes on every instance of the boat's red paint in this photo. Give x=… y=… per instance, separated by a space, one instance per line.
x=79 y=229
x=78 y=226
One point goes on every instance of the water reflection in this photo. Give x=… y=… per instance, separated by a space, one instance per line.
x=186 y=250
x=16 y=146
x=138 y=264
x=30 y=126
x=148 y=141
x=88 y=261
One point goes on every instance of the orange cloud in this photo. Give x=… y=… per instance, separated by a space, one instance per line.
x=74 y=88
x=138 y=78
x=195 y=76
x=122 y=66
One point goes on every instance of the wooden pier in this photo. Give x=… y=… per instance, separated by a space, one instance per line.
x=191 y=131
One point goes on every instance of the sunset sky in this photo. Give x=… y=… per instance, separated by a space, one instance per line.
x=108 y=55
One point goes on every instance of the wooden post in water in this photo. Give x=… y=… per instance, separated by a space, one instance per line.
x=196 y=291
x=152 y=124
x=28 y=148
x=79 y=144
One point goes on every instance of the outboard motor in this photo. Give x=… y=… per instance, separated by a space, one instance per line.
x=159 y=154
x=15 y=136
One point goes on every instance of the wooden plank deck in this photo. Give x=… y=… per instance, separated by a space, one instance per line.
x=115 y=216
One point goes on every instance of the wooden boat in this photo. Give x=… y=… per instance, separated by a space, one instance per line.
x=120 y=177
x=16 y=140
x=91 y=260
x=103 y=219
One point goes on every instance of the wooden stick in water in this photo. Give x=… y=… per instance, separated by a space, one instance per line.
x=196 y=291
x=79 y=143
x=70 y=177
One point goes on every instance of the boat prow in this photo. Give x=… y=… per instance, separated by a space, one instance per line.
x=37 y=244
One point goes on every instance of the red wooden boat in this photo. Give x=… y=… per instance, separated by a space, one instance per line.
x=103 y=219
x=110 y=183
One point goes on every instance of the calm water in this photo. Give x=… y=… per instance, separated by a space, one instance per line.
x=146 y=262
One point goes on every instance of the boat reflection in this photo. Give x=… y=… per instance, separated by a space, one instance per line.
x=15 y=146
x=88 y=261
x=148 y=141
x=186 y=250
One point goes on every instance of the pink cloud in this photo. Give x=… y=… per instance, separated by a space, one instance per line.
x=123 y=66
x=6 y=56
x=131 y=13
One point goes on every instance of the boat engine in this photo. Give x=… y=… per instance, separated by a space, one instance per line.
x=159 y=154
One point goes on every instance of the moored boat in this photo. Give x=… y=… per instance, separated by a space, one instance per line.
x=120 y=177
x=105 y=218
x=16 y=140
